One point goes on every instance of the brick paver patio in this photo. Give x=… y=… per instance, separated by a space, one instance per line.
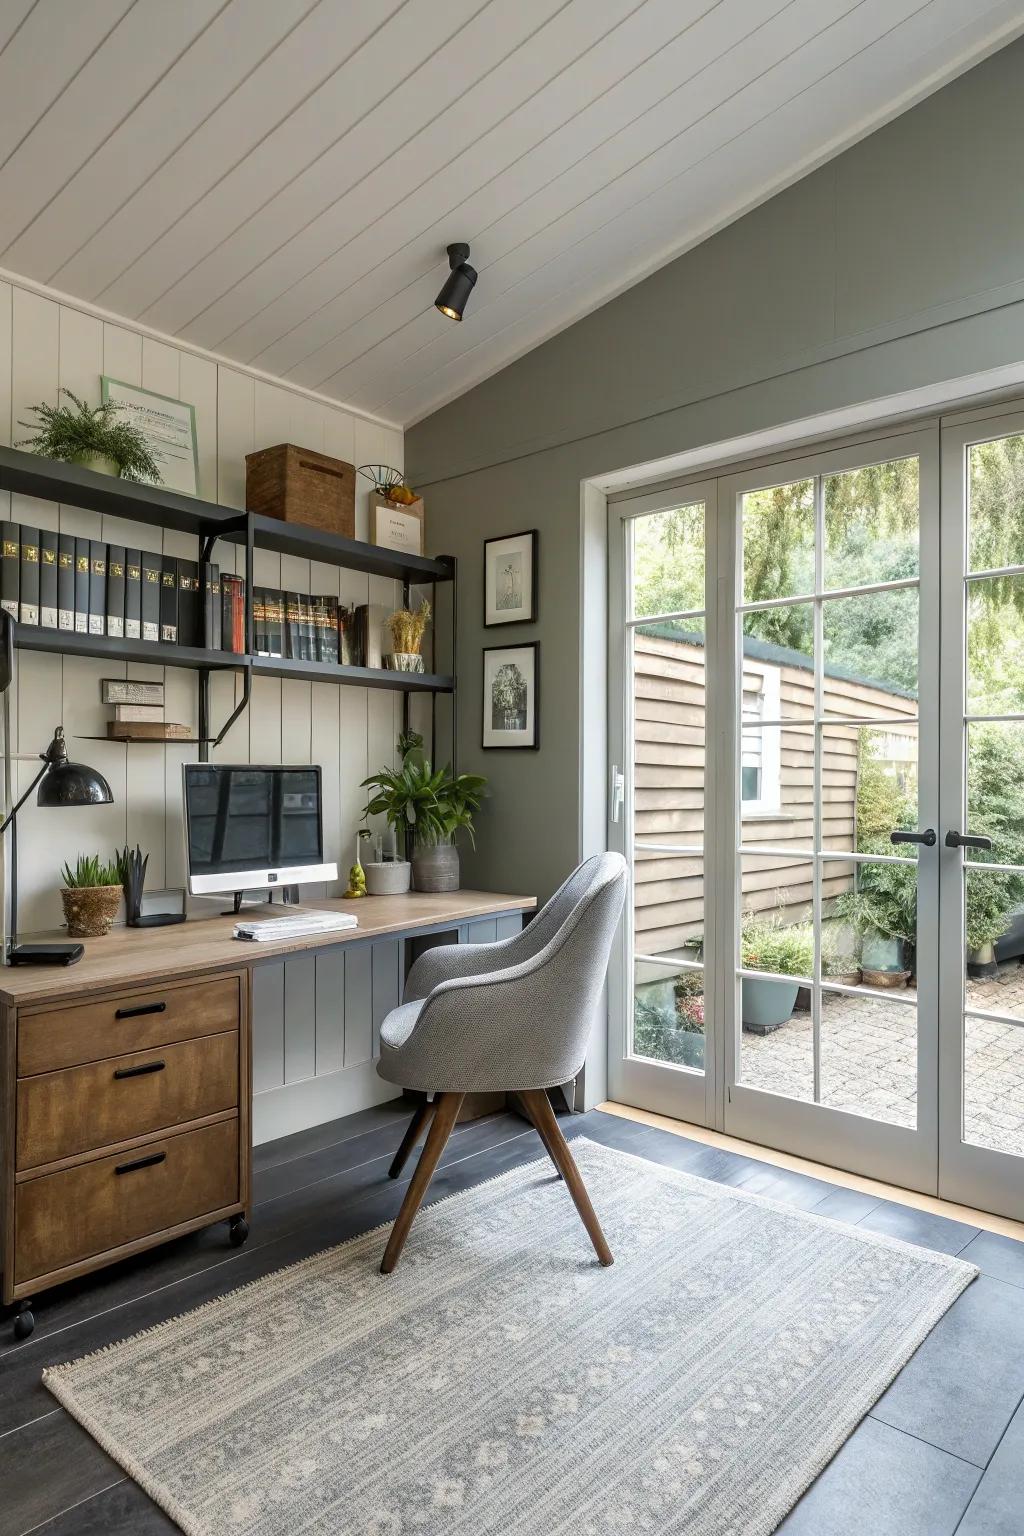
x=869 y=1060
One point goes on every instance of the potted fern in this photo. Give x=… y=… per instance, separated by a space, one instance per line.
x=91 y=894
x=94 y=436
x=427 y=807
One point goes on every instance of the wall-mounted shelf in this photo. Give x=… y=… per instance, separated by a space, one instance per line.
x=63 y=642
x=71 y=485
x=356 y=677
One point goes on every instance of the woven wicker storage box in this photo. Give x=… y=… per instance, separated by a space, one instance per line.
x=300 y=486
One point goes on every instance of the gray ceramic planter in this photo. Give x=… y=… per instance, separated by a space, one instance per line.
x=767 y=1004
x=436 y=867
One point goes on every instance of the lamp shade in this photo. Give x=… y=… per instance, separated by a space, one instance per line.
x=68 y=783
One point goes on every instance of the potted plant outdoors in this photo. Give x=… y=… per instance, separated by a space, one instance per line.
x=407 y=630
x=883 y=911
x=766 y=944
x=428 y=808
x=94 y=436
x=91 y=895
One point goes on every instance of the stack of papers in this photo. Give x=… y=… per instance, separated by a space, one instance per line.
x=295 y=926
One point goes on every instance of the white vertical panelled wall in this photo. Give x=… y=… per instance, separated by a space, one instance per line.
x=44 y=345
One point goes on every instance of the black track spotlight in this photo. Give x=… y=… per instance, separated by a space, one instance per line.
x=461 y=281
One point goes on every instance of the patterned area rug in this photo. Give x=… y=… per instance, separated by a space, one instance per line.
x=502 y=1382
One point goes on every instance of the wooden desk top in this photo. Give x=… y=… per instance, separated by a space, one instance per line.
x=134 y=956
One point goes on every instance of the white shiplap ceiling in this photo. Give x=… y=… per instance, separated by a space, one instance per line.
x=276 y=180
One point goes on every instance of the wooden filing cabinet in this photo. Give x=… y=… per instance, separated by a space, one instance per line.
x=125 y=1122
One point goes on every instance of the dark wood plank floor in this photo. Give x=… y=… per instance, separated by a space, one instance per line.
x=941 y=1453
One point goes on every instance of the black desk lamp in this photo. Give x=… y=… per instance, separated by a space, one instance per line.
x=60 y=782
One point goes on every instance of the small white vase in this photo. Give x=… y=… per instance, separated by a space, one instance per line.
x=391 y=878
x=404 y=661
x=100 y=465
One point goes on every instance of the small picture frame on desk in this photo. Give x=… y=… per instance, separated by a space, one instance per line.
x=510 y=579
x=511 y=697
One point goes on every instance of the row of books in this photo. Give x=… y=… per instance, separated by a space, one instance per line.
x=312 y=627
x=63 y=581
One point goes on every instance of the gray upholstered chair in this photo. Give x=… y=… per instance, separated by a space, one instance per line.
x=512 y=1017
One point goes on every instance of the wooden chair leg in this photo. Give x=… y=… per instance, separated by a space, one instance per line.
x=411 y=1137
x=539 y=1128
x=446 y=1112
x=543 y=1117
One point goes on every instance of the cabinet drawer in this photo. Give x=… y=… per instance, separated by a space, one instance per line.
x=62 y=1218
x=62 y=1113
x=131 y=1021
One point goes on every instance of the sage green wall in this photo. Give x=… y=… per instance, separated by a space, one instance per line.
x=899 y=264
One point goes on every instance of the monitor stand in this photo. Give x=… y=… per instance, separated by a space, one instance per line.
x=289 y=896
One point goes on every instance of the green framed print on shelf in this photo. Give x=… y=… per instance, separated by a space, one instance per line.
x=169 y=427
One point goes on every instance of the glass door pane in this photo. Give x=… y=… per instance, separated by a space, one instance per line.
x=834 y=1035
x=664 y=684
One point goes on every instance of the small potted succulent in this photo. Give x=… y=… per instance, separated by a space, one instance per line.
x=91 y=895
x=407 y=630
x=94 y=436
x=427 y=807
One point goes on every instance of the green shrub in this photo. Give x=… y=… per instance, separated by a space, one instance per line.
x=89 y=871
x=766 y=944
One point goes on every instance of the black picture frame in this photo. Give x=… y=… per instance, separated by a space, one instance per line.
x=533 y=744
x=533 y=536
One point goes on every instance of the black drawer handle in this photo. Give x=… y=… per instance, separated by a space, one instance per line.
x=141 y=1162
x=143 y=1071
x=136 y=1013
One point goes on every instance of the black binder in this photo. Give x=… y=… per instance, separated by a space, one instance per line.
x=292 y=626
x=151 y=569
x=81 y=586
x=97 y=587
x=329 y=629
x=190 y=619
x=10 y=570
x=132 y=594
x=48 y=540
x=65 y=581
x=29 y=599
x=212 y=625
x=275 y=622
x=170 y=602
x=115 y=592
x=218 y=614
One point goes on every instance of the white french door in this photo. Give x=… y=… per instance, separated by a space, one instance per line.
x=776 y=737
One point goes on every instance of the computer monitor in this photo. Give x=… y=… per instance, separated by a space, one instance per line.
x=252 y=828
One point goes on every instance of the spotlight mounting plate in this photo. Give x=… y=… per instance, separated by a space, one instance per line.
x=457 y=254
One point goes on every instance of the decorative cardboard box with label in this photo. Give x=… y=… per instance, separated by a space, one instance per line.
x=397 y=526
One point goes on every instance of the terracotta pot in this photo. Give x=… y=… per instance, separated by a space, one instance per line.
x=89 y=910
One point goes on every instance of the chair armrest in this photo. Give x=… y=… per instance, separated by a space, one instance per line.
x=449 y=962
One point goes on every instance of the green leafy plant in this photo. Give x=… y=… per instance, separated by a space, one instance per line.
x=424 y=804
x=767 y=944
x=75 y=433
x=88 y=871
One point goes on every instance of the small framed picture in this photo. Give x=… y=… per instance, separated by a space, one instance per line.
x=510 y=580
x=169 y=427
x=511 y=696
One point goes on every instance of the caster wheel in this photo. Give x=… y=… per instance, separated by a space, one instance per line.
x=238 y=1231
x=24 y=1323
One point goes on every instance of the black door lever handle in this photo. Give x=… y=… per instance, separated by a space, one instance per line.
x=927 y=837
x=967 y=840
